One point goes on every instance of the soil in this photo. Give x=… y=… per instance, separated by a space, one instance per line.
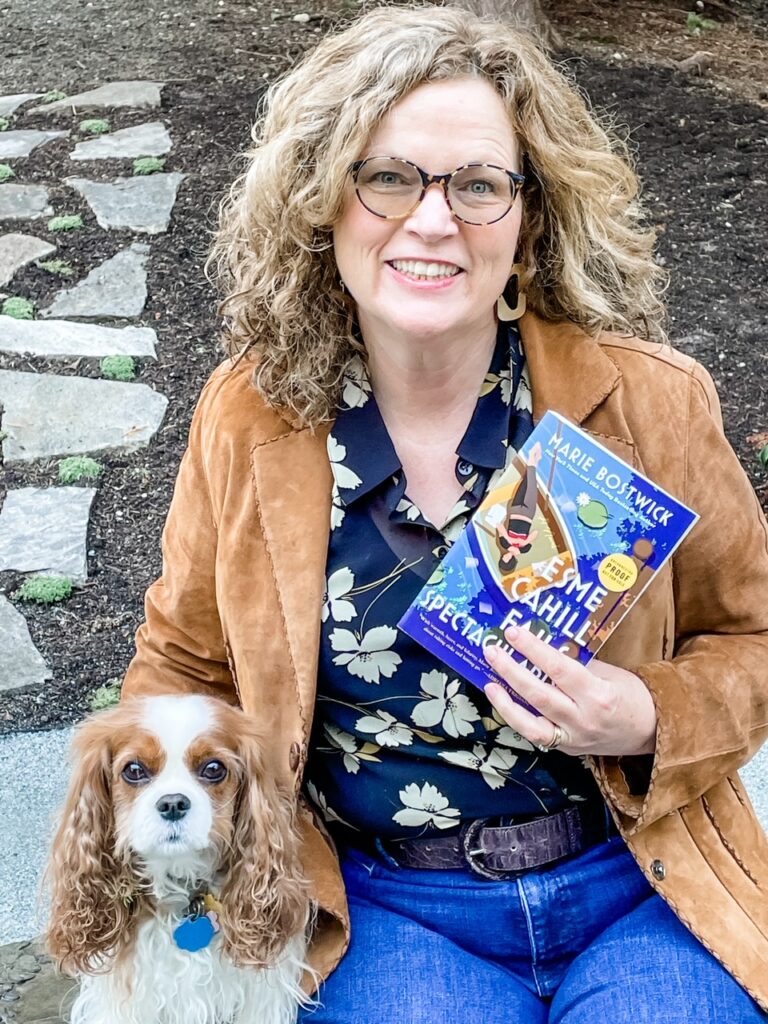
x=700 y=143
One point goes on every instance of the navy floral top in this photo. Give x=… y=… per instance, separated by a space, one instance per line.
x=401 y=746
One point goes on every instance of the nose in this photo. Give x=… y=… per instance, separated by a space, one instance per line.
x=433 y=217
x=173 y=806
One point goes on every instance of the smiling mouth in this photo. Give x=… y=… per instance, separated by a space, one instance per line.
x=424 y=270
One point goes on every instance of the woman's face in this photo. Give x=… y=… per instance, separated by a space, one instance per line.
x=439 y=126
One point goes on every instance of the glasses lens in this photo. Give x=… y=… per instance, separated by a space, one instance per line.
x=480 y=194
x=388 y=187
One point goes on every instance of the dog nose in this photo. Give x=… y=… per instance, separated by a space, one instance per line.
x=173 y=806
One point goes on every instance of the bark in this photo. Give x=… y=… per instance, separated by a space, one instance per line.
x=524 y=15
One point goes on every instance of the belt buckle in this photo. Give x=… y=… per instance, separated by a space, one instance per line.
x=468 y=840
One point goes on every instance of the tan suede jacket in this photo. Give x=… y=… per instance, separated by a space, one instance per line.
x=236 y=614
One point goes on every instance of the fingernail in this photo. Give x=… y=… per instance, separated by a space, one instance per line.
x=491 y=690
x=511 y=633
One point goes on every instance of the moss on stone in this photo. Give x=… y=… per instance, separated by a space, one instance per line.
x=94 y=126
x=19 y=308
x=65 y=222
x=118 y=367
x=45 y=589
x=79 y=467
x=148 y=164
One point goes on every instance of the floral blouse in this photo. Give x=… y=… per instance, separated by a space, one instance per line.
x=402 y=746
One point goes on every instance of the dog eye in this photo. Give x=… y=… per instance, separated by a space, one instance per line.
x=213 y=771
x=135 y=772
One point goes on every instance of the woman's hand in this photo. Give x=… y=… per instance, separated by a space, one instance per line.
x=600 y=709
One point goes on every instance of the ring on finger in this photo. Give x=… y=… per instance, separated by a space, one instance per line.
x=557 y=738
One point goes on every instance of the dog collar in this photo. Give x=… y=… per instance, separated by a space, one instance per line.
x=199 y=924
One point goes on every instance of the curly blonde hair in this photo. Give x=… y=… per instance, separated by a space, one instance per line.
x=588 y=255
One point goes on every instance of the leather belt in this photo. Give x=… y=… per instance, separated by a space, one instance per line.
x=498 y=851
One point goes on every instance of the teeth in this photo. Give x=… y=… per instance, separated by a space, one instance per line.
x=419 y=268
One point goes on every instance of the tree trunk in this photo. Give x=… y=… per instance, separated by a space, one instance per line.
x=523 y=15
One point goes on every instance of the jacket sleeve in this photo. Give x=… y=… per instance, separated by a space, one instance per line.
x=180 y=646
x=711 y=697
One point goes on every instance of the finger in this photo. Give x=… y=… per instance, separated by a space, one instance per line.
x=566 y=673
x=537 y=729
x=546 y=698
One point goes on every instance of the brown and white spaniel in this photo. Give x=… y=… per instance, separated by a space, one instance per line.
x=177 y=893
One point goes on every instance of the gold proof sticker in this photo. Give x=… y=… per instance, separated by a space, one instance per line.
x=617 y=573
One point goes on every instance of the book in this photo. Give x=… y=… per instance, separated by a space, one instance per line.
x=563 y=544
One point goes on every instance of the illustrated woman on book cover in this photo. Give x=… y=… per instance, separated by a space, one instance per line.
x=435 y=242
x=516 y=534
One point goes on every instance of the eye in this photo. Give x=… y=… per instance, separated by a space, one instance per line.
x=212 y=771
x=135 y=773
x=387 y=178
x=479 y=187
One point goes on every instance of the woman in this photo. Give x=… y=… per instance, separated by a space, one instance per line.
x=601 y=860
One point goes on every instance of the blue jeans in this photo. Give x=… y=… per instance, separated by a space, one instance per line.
x=586 y=942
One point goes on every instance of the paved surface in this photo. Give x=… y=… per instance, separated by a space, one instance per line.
x=33 y=778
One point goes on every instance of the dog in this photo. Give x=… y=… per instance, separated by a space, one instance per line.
x=176 y=890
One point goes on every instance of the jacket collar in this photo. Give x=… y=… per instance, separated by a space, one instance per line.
x=570 y=373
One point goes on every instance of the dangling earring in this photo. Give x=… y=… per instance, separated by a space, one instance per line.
x=511 y=304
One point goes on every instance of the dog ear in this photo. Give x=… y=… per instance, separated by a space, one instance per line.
x=265 y=899
x=94 y=892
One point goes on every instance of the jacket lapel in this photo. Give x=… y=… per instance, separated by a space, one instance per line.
x=569 y=374
x=572 y=375
x=292 y=479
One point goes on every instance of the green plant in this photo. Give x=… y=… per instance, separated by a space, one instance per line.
x=94 y=126
x=106 y=696
x=45 y=589
x=79 y=467
x=5 y=124
x=18 y=307
x=118 y=367
x=6 y=172
x=763 y=457
x=65 y=222
x=58 y=267
x=148 y=164
x=696 y=24
x=52 y=95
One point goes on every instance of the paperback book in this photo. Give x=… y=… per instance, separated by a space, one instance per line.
x=563 y=545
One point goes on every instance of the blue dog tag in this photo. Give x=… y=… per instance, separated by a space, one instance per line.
x=194 y=933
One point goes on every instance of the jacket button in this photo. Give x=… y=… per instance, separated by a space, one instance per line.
x=658 y=870
x=294 y=756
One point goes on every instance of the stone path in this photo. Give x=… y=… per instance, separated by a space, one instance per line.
x=45 y=414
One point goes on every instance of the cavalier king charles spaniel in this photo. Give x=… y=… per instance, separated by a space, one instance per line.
x=177 y=892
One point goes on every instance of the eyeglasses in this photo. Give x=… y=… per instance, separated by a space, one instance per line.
x=392 y=188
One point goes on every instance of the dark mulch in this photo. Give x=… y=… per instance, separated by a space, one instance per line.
x=702 y=155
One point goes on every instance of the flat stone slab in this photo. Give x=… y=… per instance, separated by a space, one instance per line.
x=38 y=993
x=116 y=288
x=43 y=529
x=139 y=204
x=9 y=104
x=151 y=139
x=115 y=94
x=25 y=141
x=17 y=250
x=21 y=664
x=24 y=202
x=59 y=338
x=34 y=770
x=47 y=415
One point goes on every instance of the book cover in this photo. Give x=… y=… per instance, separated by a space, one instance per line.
x=564 y=544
